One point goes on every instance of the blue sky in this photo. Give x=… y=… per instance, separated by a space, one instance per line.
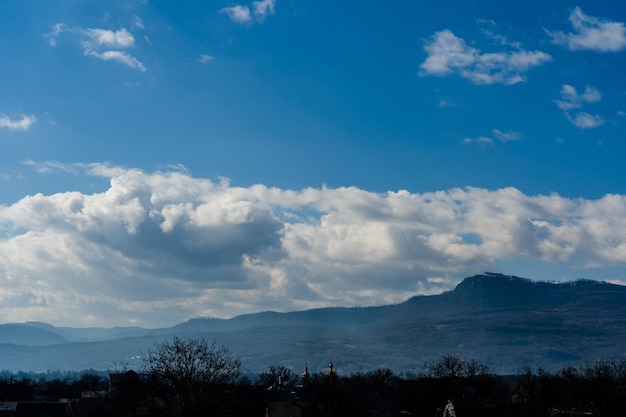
x=161 y=161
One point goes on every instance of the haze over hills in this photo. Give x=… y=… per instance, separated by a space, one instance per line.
x=505 y=322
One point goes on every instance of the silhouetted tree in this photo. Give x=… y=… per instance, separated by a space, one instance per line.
x=278 y=375
x=607 y=386
x=453 y=366
x=191 y=375
x=470 y=385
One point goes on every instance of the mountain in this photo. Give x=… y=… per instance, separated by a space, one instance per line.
x=505 y=322
x=30 y=334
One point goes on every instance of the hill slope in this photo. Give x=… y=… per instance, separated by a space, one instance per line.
x=506 y=322
x=30 y=334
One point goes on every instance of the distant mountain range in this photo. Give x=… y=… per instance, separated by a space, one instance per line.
x=505 y=322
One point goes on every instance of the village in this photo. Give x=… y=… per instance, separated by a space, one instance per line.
x=452 y=387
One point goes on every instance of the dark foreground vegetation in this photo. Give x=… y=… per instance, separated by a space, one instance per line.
x=192 y=377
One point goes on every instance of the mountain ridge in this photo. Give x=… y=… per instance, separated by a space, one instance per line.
x=504 y=321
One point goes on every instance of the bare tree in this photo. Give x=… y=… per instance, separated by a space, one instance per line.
x=453 y=366
x=191 y=375
x=278 y=376
x=466 y=380
x=191 y=362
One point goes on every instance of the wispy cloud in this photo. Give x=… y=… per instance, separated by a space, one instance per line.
x=571 y=99
x=591 y=33
x=509 y=136
x=448 y=54
x=204 y=58
x=238 y=13
x=54 y=33
x=263 y=8
x=488 y=27
x=499 y=135
x=103 y=44
x=585 y=120
x=119 y=56
x=23 y=122
x=51 y=166
x=167 y=244
x=242 y=14
x=480 y=140
x=138 y=23
x=444 y=102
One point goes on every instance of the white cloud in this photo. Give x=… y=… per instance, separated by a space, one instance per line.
x=138 y=23
x=119 y=56
x=241 y=13
x=56 y=31
x=499 y=135
x=160 y=247
x=506 y=136
x=103 y=44
x=22 y=123
x=501 y=40
x=479 y=140
x=571 y=99
x=449 y=54
x=446 y=53
x=585 y=120
x=204 y=58
x=591 y=33
x=50 y=166
x=238 y=13
x=446 y=103
x=121 y=38
x=263 y=8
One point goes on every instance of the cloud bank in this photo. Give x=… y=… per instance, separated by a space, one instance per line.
x=157 y=248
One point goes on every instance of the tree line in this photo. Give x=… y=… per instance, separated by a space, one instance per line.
x=189 y=377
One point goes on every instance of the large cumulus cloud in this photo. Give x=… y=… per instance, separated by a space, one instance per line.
x=160 y=247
